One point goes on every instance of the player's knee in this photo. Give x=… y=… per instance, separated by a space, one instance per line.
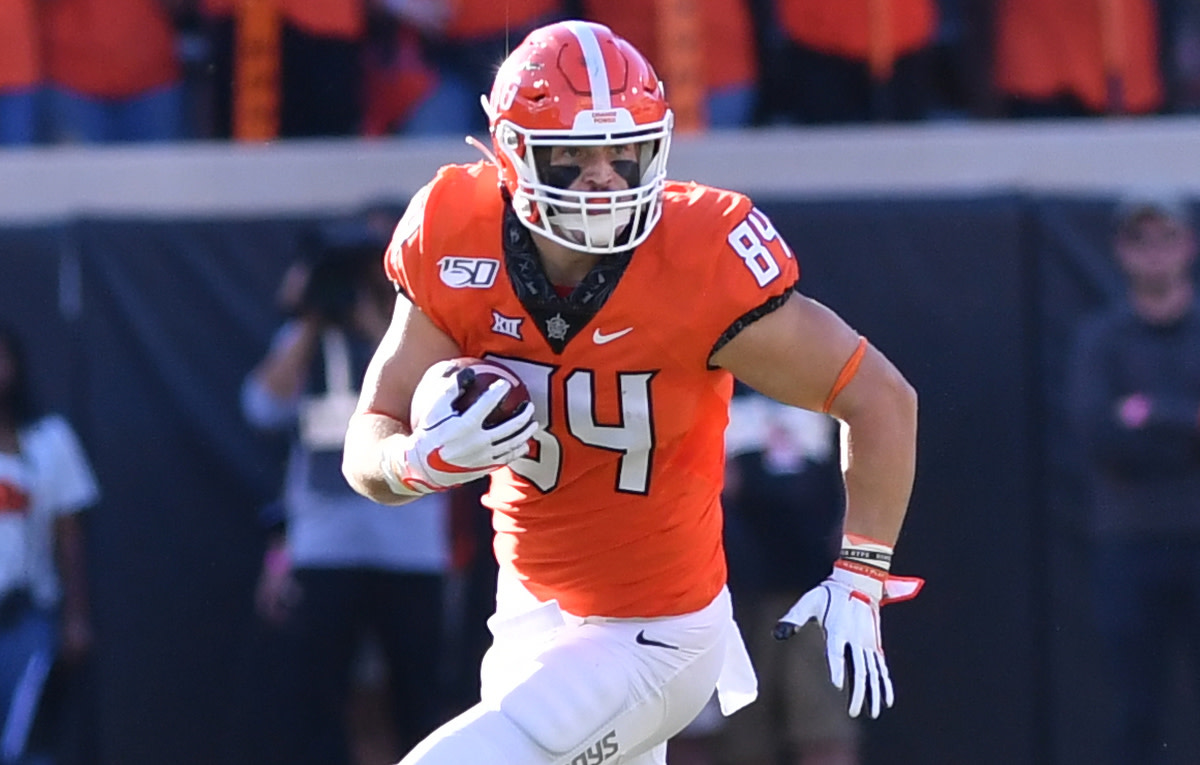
x=478 y=735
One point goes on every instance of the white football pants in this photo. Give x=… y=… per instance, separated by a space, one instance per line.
x=558 y=689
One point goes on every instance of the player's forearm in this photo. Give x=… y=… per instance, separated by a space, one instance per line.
x=880 y=460
x=363 y=455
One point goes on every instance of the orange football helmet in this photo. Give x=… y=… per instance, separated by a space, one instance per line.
x=577 y=83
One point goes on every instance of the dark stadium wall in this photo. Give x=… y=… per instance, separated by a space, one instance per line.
x=973 y=296
x=938 y=284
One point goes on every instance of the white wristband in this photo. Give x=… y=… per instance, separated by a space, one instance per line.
x=866 y=552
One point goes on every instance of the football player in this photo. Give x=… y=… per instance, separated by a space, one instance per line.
x=627 y=304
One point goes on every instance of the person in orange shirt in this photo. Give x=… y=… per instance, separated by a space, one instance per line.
x=729 y=64
x=852 y=61
x=20 y=72
x=626 y=304
x=465 y=44
x=397 y=75
x=1073 y=58
x=111 y=71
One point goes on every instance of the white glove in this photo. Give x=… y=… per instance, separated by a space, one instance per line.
x=846 y=605
x=447 y=448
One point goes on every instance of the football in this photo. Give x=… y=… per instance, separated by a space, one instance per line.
x=473 y=377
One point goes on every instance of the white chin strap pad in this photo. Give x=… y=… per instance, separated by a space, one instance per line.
x=600 y=230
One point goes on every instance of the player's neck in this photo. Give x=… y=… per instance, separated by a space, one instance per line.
x=564 y=267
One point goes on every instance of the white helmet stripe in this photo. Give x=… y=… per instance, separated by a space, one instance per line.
x=594 y=60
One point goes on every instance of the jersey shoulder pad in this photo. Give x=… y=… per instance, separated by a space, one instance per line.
x=748 y=248
x=440 y=209
x=716 y=202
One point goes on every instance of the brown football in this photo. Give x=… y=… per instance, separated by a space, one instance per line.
x=474 y=375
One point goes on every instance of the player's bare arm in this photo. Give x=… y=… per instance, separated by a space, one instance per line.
x=795 y=355
x=411 y=345
x=805 y=355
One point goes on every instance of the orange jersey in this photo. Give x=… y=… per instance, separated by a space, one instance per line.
x=20 y=65
x=472 y=19
x=343 y=19
x=1044 y=48
x=853 y=28
x=109 y=48
x=616 y=511
x=726 y=29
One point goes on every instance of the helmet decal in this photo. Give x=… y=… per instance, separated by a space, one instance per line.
x=594 y=61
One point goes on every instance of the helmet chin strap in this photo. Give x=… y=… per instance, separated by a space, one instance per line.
x=473 y=141
x=600 y=230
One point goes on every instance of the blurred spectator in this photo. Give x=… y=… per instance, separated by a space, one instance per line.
x=465 y=47
x=347 y=571
x=397 y=75
x=784 y=508
x=45 y=482
x=850 y=61
x=1070 y=58
x=20 y=72
x=1134 y=396
x=728 y=59
x=318 y=47
x=111 y=71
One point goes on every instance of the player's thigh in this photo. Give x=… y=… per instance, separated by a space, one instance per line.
x=597 y=689
x=487 y=736
x=579 y=717
x=479 y=735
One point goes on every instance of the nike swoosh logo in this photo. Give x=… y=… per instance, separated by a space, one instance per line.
x=643 y=640
x=599 y=338
x=435 y=461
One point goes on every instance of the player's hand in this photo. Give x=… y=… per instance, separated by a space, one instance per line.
x=449 y=448
x=846 y=605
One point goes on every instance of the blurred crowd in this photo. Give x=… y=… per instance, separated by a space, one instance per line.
x=133 y=70
x=330 y=589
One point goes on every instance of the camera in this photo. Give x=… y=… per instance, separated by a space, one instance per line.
x=340 y=262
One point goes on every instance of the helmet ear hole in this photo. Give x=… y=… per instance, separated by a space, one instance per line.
x=510 y=138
